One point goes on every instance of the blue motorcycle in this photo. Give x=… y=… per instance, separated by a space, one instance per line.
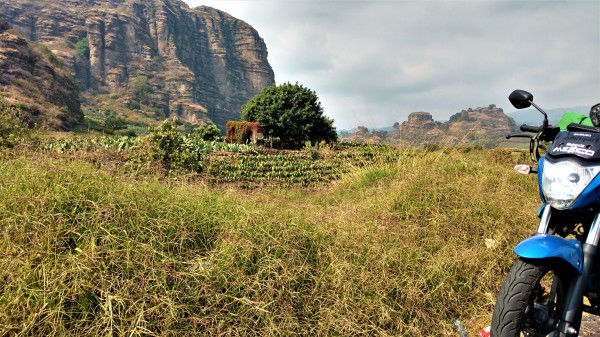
x=557 y=275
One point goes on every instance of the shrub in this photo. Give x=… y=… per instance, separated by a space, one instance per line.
x=82 y=48
x=206 y=131
x=13 y=126
x=167 y=146
x=140 y=86
x=115 y=123
x=134 y=105
x=431 y=147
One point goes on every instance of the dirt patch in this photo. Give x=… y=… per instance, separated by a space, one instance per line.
x=590 y=326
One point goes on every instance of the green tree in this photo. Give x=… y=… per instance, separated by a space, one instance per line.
x=206 y=131
x=82 y=48
x=140 y=86
x=292 y=113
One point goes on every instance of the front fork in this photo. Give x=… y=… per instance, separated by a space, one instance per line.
x=577 y=289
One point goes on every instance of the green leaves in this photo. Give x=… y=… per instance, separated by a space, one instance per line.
x=141 y=87
x=82 y=48
x=206 y=131
x=291 y=113
x=12 y=124
x=168 y=146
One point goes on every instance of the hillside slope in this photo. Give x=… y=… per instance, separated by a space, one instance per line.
x=33 y=79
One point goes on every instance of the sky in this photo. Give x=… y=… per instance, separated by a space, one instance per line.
x=372 y=63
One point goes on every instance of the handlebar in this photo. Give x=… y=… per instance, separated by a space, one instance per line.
x=530 y=128
x=519 y=135
x=544 y=133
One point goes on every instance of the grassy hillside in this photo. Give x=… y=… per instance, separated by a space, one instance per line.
x=393 y=249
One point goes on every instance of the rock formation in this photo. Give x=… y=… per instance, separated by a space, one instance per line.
x=420 y=126
x=484 y=126
x=32 y=78
x=199 y=64
x=483 y=121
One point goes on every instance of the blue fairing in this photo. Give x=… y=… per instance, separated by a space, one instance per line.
x=539 y=176
x=589 y=195
x=545 y=246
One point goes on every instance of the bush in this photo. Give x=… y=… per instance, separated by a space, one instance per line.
x=134 y=105
x=206 y=131
x=431 y=147
x=13 y=127
x=140 y=86
x=115 y=123
x=167 y=146
x=82 y=48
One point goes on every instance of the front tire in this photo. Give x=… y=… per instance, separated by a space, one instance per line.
x=528 y=304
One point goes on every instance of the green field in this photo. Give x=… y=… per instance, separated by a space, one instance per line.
x=388 y=243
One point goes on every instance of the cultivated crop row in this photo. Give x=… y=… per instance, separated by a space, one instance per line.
x=221 y=162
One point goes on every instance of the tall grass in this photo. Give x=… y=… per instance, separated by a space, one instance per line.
x=391 y=250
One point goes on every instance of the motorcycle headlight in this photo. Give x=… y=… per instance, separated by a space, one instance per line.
x=562 y=182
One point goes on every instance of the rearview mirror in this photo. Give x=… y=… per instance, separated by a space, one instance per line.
x=520 y=99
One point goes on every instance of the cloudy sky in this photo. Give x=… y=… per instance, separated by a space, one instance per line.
x=373 y=62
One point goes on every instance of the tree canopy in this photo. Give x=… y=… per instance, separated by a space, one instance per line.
x=292 y=113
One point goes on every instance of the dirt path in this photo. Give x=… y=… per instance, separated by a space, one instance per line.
x=590 y=326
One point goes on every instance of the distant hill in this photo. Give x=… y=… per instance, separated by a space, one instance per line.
x=486 y=126
x=534 y=117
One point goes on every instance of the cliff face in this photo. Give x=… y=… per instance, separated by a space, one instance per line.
x=199 y=64
x=33 y=79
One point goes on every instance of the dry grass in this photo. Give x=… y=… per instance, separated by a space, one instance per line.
x=390 y=250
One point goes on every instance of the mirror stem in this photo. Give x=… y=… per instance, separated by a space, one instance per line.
x=542 y=111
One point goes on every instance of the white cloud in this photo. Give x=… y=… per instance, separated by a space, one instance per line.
x=374 y=62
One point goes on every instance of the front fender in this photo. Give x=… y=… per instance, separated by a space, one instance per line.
x=545 y=246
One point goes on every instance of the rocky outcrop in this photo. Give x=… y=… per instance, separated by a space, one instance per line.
x=483 y=125
x=33 y=79
x=484 y=121
x=199 y=64
x=420 y=126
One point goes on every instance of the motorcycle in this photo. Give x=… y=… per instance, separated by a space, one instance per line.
x=556 y=277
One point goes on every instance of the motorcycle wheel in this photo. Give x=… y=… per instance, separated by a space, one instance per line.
x=527 y=304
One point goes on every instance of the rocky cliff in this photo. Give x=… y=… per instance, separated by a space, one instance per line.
x=33 y=79
x=199 y=64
